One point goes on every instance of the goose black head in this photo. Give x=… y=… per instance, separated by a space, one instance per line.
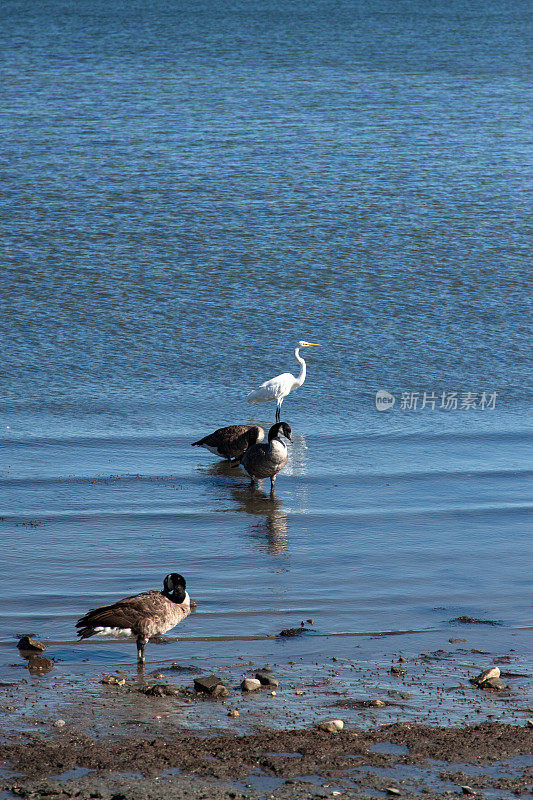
x=174 y=587
x=280 y=429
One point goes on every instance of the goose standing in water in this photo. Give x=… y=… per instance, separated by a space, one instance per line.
x=266 y=460
x=141 y=616
x=276 y=389
x=233 y=441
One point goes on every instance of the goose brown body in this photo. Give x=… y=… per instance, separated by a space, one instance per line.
x=141 y=616
x=266 y=460
x=231 y=441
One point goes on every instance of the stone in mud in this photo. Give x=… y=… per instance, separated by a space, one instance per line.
x=393 y=790
x=175 y=667
x=30 y=645
x=400 y=695
x=465 y=620
x=292 y=631
x=266 y=679
x=331 y=726
x=250 y=685
x=378 y=703
x=207 y=683
x=487 y=674
x=453 y=640
x=468 y=790
x=161 y=690
x=395 y=670
x=59 y=723
x=496 y=684
x=113 y=680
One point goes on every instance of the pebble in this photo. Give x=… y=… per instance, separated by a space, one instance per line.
x=397 y=670
x=160 y=690
x=233 y=713
x=27 y=643
x=489 y=679
x=392 y=790
x=332 y=726
x=207 y=683
x=494 y=683
x=468 y=790
x=298 y=692
x=378 y=703
x=453 y=640
x=159 y=676
x=292 y=631
x=112 y=680
x=266 y=679
x=529 y=723
x=273 y=694
x=250 y=685
x=60 y=723
x=492 y=672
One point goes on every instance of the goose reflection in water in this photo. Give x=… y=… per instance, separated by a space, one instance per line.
x=273 y=528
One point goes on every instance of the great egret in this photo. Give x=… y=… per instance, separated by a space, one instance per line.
x=276 y=389
x=233 y=441
x=266 y=460
x=141 y=616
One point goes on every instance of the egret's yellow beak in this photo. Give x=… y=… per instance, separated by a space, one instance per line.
x=310 y=344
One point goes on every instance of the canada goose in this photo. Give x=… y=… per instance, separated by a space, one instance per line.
x=233 y=441
x=141 y=616
x=266 y=460
x=276 y=389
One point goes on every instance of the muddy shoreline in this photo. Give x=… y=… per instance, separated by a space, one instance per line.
x=414 y=722
x=299 y=763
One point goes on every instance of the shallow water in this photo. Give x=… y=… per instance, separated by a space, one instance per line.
x=191 y=191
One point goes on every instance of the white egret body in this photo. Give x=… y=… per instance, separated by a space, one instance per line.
x=277 y=389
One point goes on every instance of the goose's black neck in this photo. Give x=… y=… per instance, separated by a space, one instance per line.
x=274 y=431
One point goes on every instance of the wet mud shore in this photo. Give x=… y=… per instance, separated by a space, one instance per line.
x=489 y=759
x=414 y=724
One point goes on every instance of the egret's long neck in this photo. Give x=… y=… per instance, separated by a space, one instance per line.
x=301 y=377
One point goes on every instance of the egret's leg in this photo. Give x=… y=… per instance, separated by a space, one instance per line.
x=278 y=412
